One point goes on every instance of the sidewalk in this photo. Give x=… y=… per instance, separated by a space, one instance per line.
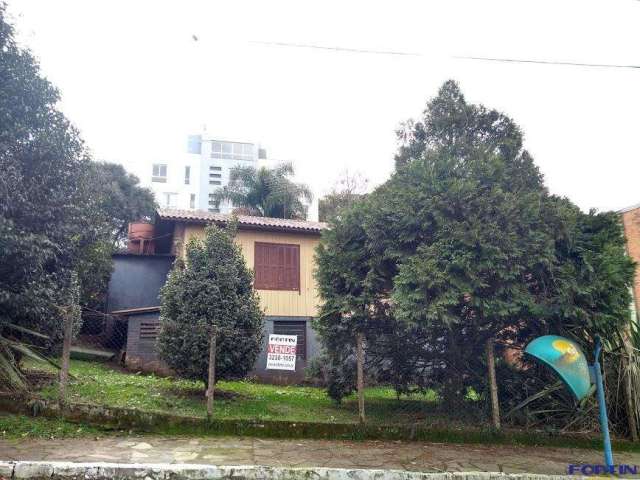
x=425 y=457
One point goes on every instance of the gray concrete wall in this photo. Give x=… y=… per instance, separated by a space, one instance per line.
x=136 y=280
x=142 y=354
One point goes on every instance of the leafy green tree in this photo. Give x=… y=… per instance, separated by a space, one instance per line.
x=266 y=192
x=210 y=292
x=44 y=194
x=118 y=200
x=121 y=199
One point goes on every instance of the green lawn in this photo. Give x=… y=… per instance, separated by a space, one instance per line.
x=99 y=384
x=16 y=427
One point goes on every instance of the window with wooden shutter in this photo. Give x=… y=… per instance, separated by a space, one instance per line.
x=277 y=266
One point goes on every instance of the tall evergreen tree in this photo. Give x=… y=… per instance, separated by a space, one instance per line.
x=452 y=125
x=461 y=248
x=211 y=291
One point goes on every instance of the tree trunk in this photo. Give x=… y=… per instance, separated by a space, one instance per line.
x=360 y=375
x=493 y=384
x=66 y=354
x=211 y=380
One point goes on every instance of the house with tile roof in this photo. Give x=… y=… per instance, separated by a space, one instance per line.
x=281 y=253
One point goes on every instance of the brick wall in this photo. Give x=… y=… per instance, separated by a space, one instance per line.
x=631 y=222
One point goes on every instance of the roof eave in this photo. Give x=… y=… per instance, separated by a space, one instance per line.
x=629 y=209
x=242 y=226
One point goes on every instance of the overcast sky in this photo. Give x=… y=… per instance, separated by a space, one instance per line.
x=135 y=82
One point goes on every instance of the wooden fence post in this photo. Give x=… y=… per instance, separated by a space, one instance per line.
x=493 y=384
x=211 y=380
x=66 y=354
x=360 y=374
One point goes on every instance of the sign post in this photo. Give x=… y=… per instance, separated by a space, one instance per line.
x=565 y=357
x=281 y=353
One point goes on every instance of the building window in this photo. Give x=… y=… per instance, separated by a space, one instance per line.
x=159 y=173
x=299 y=329
x=232 y=150
x=215 y=182
x=214 y=210
x=170 y=199
x=215 y=175
x=187 y=175
x=192 y=200
x=194 y=144
x=215 y=169
x=277 y=266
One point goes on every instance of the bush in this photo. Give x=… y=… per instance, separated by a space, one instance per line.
x=210 y=290
x=316 y=372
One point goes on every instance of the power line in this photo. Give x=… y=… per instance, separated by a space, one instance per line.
x=548 y=62
x=457 y=57
x=337 y=49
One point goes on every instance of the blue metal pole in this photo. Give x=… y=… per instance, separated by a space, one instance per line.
x=602 y=406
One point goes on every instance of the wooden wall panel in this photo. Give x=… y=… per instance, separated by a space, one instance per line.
x=302 y=303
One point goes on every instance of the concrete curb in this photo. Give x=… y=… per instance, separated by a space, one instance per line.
x=22 y=470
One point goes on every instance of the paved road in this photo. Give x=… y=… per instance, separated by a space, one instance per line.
x=428 y=457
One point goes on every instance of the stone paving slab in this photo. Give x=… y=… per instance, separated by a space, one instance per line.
x=388 y=455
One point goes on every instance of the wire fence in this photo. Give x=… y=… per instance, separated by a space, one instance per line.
x=114 y=361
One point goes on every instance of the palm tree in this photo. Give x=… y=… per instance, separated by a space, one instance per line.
x=266 y=192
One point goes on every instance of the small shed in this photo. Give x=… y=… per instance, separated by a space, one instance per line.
x=143 y=327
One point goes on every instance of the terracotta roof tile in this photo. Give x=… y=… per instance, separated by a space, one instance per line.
x=199 y=216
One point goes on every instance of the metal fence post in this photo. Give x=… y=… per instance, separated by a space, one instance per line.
x=66 y=353
x=360 y=374
x=602 y=405
x=211 y=380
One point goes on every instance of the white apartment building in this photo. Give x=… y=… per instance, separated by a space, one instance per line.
x=190 y=182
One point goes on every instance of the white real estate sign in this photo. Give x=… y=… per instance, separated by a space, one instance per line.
x=281 y=354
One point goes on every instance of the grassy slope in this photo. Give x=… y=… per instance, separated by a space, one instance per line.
x=97 y=383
